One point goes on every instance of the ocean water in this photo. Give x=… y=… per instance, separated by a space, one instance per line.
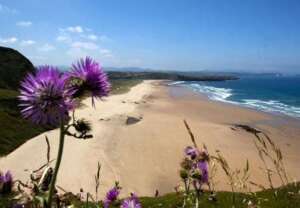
x=279 y=95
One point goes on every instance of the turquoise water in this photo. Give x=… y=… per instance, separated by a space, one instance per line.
x=266 y=93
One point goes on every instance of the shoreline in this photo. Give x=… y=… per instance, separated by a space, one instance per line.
x=278 y=118
x=145 y=156
x=243 y=105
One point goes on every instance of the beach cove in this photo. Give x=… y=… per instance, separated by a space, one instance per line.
x=144 y=155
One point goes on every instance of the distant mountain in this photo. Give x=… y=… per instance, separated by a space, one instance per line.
x=13 y=67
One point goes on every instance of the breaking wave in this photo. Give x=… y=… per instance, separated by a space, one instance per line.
x=226 y=94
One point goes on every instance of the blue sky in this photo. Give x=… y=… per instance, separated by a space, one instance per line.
x=247 y=35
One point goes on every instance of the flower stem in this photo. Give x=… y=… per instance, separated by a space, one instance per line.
x=58 y=161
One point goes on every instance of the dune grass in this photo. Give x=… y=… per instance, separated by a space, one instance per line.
x=266 y=198
x=287 y=197
x=120 y=86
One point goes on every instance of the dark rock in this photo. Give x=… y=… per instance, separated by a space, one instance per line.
x=13 y=68
x=247 y=128
x=132 y=120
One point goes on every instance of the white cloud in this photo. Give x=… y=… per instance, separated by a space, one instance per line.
x=39 y=58
x=105 y=53
x=92 y=37
x=24 y=24
x=27 y=42
x=84 y=45
x=81 y=41
x=76 y=52
x=8 y=40
x=75 y=29
x=104 y=38
x=5 y=9
x=64 y=38
x=46 y=47
x=101 y=54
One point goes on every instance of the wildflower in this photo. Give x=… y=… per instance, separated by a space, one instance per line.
x=18 y=206
x=87 y=77
x=111 y=196
x=184 y=174
x=132 y=202
x=196 y=174
x=186 y=163
x=203 y=156
x=203 y=167
x=6 y=182
x=43 y=97
x=191 y=151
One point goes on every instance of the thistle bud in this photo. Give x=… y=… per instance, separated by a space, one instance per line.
x=196 y=174
x=184 y=174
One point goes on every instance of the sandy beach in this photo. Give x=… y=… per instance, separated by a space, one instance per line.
x=145 y=156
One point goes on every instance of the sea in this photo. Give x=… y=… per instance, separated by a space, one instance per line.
x=269 y=93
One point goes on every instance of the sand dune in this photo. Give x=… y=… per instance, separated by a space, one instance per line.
x=145 y=155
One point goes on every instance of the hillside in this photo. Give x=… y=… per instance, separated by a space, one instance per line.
x=13 y=67
x=175 y=76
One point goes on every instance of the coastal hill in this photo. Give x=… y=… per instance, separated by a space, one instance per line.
x=13 y=67
x=166 y=75
x=14 y=129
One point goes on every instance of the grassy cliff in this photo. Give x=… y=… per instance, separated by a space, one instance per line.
x=14 y=129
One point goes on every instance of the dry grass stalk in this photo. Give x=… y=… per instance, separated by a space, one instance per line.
x=97 y=180
x=48 y=149
x=238 y=179
x=269 y=151
x=190 y=133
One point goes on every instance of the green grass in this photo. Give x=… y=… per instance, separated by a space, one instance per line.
x=14 y=130
x=121 y=86
x=224 y=199
x=287 y=197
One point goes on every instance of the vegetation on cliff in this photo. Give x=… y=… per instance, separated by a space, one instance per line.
x=174 y=76
x=13 y=67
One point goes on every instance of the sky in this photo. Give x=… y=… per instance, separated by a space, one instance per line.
x=233 y=35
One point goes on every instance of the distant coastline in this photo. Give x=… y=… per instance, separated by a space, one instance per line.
x=175 y=76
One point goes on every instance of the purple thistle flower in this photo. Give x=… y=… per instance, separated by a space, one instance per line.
x=106 y=204
x=18 y=206
x=6 y=178
x=191 y=151
x=132 y=202
x=6 y=182
x=87 y=77
x=111 y=196
x=44 y=99
x=203 y=166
